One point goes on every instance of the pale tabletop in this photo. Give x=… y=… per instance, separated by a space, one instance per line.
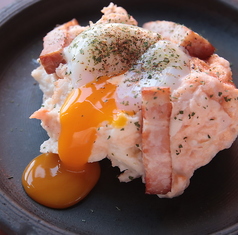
x=5 y=3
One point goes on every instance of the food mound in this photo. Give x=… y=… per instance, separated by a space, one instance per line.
x=155 y=100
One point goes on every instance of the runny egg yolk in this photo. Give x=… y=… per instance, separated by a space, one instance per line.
x=85 y=109
x=60 y=181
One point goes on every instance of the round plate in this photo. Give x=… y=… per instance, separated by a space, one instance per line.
x=209 y=205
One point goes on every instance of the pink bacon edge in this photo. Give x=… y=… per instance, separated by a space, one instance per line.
x=156 y=112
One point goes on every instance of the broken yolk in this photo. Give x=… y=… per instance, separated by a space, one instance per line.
x=60 y=181
x=85 y=109
x=50 y=183
x=120 y=120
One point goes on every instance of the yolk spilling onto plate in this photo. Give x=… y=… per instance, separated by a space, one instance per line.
x=85 y=109
x=60 y=181
x=50 y=183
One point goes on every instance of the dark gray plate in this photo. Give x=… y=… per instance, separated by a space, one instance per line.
x=209 y=205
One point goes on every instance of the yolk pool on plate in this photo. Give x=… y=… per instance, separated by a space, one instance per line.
x=50 y=183
x=60 y=181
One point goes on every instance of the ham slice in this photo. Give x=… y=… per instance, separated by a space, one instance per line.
x=156 y=111
x=54 y=42
x=195 y=44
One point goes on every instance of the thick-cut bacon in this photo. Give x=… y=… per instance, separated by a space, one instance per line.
x=54 y=42
x=156 y=111
x=195 y=44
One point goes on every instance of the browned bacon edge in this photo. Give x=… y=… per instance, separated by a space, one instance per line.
x=195 y=44
x=54 y=42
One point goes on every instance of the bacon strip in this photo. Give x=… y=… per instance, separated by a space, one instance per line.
x=195 y=44
x=156 y=112
x=54 y=42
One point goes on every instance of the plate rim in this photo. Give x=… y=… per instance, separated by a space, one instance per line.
x=7 y=14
